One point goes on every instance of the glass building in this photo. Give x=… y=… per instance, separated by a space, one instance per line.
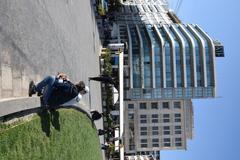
x=166 y=64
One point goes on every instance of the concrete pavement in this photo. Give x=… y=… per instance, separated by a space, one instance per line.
x=43 y=37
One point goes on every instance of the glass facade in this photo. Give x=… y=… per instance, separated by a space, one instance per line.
x=168 y=64
x=136 y=57
x=188 y=59
x=146 y=58
x=179 y=69
x=198 y=59
x=209 y=62
x=157 y=55
x=151 y=42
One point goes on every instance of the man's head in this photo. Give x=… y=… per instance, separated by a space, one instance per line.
x=82 y=88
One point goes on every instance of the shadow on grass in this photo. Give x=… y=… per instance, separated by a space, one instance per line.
x=55 y=119
x=45 y=122
x=47 y=118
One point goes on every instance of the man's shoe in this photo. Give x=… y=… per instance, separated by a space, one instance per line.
x=31 y=89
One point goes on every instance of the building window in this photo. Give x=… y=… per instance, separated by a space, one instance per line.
x=177 y=105
x=166 y=130
x=178 y=142
x=144 y=143
x=155 y=130
x=143 y=131
x=143 y=140
x=130 y=106
x=143 y=128
x=177 y=117
x=155 y=145
x=165 y=105
x=154 y=105
x=155 y=118
x=143 y=106
x=155 y=142
x=143 y=118
x=167 y=142
x=166 y=118
x=188 y=92
x=143 y=121
x=179 y=92
x=178 y=130
x=130 y=116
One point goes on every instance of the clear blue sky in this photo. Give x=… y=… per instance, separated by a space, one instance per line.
x=217 y=121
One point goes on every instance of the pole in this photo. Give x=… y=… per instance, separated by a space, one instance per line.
x=121 y=109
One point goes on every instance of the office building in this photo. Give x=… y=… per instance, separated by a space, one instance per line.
x=166 y=64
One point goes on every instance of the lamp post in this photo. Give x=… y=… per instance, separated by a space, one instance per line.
x=118 y=48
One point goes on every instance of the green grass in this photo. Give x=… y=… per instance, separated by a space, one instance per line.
x=61 y=135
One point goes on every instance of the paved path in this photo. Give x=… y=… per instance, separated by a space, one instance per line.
x=40 y=38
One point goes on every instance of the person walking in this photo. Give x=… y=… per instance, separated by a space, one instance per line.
x=105 y=79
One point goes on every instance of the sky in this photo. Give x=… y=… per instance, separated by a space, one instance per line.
x=216 y=121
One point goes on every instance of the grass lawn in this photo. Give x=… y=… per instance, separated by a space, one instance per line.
x=60 y=135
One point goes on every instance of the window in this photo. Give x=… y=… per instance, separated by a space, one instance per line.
x=155 y=145
x=166 y=130
x=143 y=140
x=155 y=130
x=178 y=130
x=178 y=142
x=143 y=118
x=165 y=105
x=166 y=115
x=130 y=106
x=155 y=142
x=167 y=142
x=177 y=105
x=143 y=128
x=177 y=127
x=143 y=106
x=143 y=143
x=166 y=127
x=154 y=105
x=177 y=117
x=130 y=116
x=143 y=131
x=166 y=118
x=155 y=118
